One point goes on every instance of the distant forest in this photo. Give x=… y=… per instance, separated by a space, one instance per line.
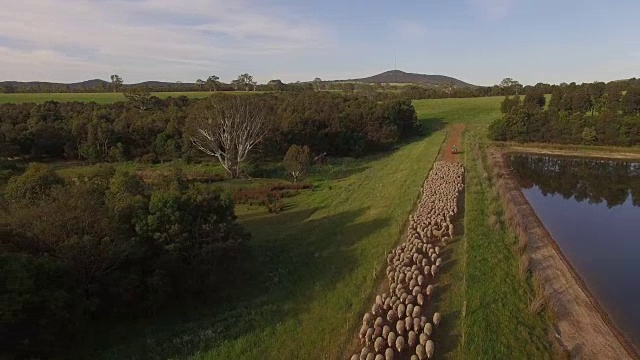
x=589 y=114
x=439 y=88
x=150 y=129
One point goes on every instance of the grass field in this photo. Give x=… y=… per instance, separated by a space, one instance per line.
x=100 y=98
x=314 y=270
x=498 y=323
x=315 y=266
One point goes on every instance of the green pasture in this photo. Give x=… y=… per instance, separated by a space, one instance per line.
x=314 y=268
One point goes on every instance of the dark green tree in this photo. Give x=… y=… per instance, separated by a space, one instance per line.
x=140 y=97
x=212 y=82
x=116 y=82
x=534 y=100
x=631 y=101
x=34 y=184
x=297 y=161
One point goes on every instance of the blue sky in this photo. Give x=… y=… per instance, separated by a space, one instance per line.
x=478 y=41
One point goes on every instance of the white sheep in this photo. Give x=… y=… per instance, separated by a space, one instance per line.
x=379 y=322
x=367 y=319
x=420 y=351
x=436 y=319
x=416 y=311
x=412 y=338
x=364 y=352
x=385 y=331
x=423 y=338
x=429 y=348
x=391 y=339
x=400 y=343
x=429 y=291
x=378 y=344
x=392 y=316
x=428 y=329
x=388 y=354
x=409 y=310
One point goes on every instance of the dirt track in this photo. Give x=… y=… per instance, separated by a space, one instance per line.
x=454 y=137
x=582 y=326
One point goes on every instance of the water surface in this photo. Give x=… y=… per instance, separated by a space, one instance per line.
x=591 y=207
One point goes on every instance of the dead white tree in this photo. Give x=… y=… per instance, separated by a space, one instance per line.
x=229 y=128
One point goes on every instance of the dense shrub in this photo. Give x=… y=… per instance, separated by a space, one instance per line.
x=297 y=161
x=42 y=303
x=270 y=195
x=108 y=245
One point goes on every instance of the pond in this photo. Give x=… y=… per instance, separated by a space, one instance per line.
x=591 y=207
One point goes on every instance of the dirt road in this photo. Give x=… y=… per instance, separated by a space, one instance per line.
x=454 y=137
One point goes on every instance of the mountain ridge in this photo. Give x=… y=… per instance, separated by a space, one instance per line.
x=389 y=77
x=401 y=77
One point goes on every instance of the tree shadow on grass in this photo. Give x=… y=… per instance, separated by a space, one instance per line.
x=293 y=256
x=431 y=125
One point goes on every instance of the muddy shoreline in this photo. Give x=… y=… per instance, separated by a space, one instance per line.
x=581 y=324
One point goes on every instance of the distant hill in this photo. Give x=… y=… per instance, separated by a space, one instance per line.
x=390 y=77
x=88 y=84
x=401 y=77
x=92 y=84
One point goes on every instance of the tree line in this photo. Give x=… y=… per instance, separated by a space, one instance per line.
x=590 y=114
x=164 y=129
x=245 y=82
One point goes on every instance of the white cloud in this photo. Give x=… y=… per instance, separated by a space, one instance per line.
x=494 y=9
x=143 y=39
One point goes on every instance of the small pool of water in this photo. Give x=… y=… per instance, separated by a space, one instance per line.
x=591 y=207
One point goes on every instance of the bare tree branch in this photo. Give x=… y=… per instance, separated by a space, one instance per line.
x=229 y=129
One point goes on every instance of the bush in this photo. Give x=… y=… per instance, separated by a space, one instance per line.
x=109 y=245
x=33 y=185
x=42 y=303
x=297 y=161
x=7 y=170
x=498 y=130
x=270 y=195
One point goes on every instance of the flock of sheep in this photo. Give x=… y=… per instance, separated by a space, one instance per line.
x=397 y=324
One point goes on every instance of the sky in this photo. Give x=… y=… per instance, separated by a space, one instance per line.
x=477 y=41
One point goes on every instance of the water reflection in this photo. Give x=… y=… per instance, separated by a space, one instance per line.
x=591 y=208
x=592 y=180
